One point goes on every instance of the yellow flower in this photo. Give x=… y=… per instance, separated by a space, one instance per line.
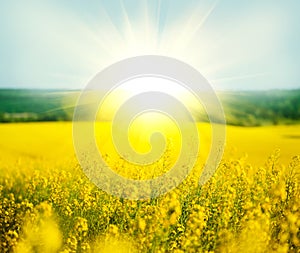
x=142 y=224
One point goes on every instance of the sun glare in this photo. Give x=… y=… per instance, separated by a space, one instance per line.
x=133 y=87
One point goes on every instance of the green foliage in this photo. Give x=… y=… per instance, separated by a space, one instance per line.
x=247 y=108
x=36 y=105
x=254 y=108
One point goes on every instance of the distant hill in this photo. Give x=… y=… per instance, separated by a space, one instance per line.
x=247 y=108
x=36 y=105
x=252 y=108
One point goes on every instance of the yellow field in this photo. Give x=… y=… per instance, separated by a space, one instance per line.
x=53 y=142
x=250 y=205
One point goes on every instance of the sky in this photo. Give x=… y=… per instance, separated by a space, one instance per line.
x=236 y=45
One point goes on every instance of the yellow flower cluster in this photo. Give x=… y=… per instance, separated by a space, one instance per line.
x=241 y=209
x=48 y=205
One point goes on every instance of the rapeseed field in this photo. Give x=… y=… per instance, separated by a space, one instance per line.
x=251 y=204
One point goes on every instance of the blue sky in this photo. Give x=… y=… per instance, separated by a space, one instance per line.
x=234 y=44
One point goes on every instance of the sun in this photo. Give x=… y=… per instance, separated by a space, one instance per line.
x=133 y=87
